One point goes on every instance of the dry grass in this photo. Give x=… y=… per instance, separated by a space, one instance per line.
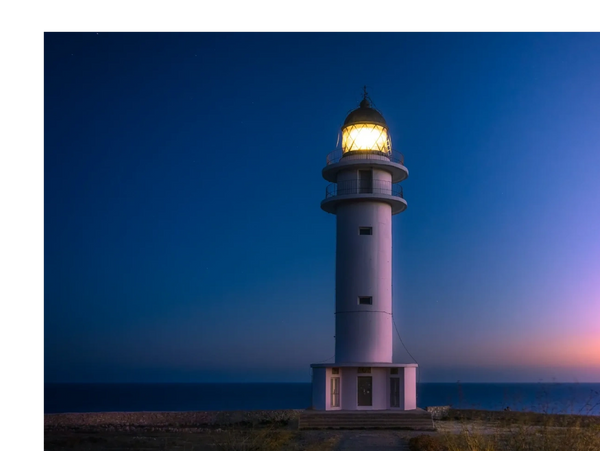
x=239 y=439
x=231 y=438
x=480 y=430
x=527 y=432
x=271 y=439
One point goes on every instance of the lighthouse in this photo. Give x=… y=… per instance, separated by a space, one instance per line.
x=364 y=195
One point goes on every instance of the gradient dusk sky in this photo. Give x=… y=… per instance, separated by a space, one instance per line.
x=184 y=241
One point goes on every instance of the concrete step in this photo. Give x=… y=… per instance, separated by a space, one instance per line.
x=305 y=425
x=425 y=421
x=366 y=422
x=406 y=426
x=355 y=418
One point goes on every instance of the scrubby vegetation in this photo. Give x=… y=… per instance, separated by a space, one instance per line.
x=514 y=431
x=239 y=437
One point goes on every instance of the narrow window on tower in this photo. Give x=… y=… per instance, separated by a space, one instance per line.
x=365 y=300
x=365 y=230
x=365 y=181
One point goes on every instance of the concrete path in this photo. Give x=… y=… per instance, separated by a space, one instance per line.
x=376 y=440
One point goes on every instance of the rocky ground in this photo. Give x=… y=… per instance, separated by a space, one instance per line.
x=193 y=431
x=125 y=421
x=227 y=439
x=258 y=430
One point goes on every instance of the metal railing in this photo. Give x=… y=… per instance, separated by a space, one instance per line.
x=393 y=156
x=348 y=187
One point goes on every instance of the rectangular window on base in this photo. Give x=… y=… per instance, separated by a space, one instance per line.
x=365 y=300
x=365 y=230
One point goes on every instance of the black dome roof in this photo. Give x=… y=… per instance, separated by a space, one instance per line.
x=364 y=113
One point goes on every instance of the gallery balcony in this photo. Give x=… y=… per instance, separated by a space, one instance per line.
x=355 y=190
x=390 y=161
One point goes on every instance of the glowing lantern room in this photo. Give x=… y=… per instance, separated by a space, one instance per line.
x=365 y=130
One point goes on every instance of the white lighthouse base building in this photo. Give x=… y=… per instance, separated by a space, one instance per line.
x=364 y=386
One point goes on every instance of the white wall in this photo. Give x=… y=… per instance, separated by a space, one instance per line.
x=382 y=180
x=380 y=388
x=410 y=388
x=349 y=388
x=364 y=268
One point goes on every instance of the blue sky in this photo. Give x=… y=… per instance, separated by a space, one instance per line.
x=183 y=235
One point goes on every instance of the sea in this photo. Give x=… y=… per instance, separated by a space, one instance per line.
x=583 y=399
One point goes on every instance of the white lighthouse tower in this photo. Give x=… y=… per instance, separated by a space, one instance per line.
x=364 y=195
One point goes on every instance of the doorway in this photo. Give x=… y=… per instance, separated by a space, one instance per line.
x=365 y=181
x=365 y=391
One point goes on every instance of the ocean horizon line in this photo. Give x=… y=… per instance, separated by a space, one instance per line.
x=308 y=382
x=201 y=396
